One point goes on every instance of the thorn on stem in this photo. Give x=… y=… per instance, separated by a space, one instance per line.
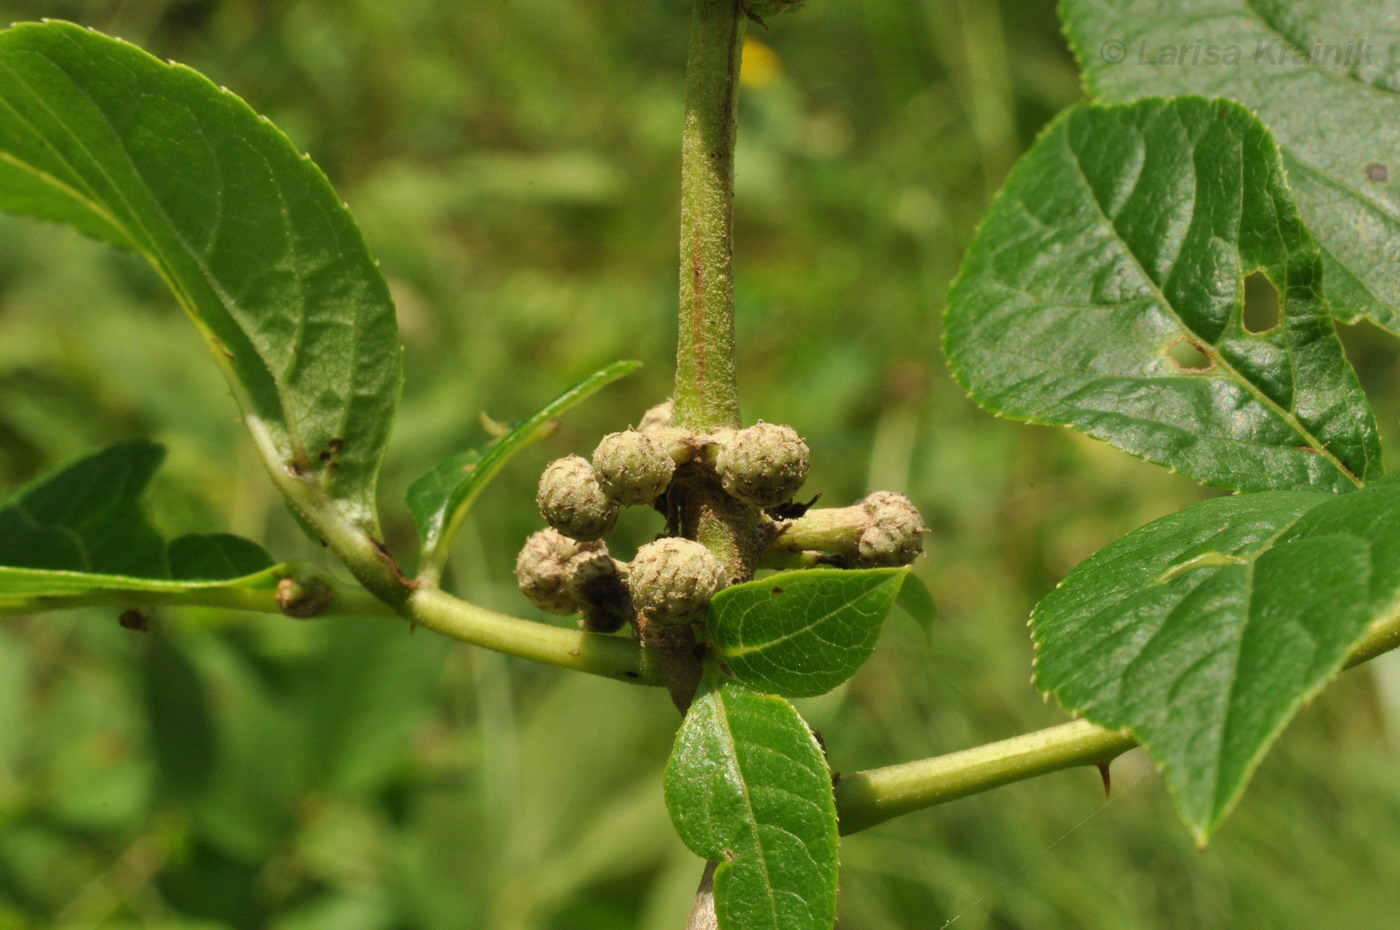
x=1107 y=780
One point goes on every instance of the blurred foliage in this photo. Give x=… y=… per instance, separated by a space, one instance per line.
x=514 y=165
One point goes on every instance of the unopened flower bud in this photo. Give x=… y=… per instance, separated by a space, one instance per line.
x=680 y=444
x=895 y=532
x=632 y=468
x=673 y=579
x=303 y=596
x=763 y=465
x=571 y=500
x=543 y=570
x=658 y=417
x=601 y=592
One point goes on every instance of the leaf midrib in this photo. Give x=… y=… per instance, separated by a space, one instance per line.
x=1249 y=561
x=748 y=648
x=1208 y=347
x=731 y=747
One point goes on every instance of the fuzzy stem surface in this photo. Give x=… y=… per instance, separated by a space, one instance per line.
x=707 y=382
x=707 y=386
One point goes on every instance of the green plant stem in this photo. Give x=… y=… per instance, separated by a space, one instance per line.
x=833 y=529
x=864 y=799
x=353 y=540
x=707 y=386
x=349 y=602
x=707 y=383
x=615 y=657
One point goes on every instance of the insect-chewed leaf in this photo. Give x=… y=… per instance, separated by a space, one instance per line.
x=1323 y=74
x=1202 y=633
x=82 y=529
x=1105 y=291
x=245 y=230
x=802 y=633
x=748 y=787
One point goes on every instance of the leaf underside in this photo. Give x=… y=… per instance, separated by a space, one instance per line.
x=1202 y=633
x=748 y=787
x=82 y=528
x=1125 y=233
x=1323 y=74
x=802 y=633
x=242 y=227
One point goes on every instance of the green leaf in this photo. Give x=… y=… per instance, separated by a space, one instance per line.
x=82 y=530
x=1202 y=633
x=916 y=600
x=215 y=556
x=440 y=499
x=88 y=516
x=242 y=227
x=22 y=589
x=748 y=787
x=1323 y=74
x=802 y=633
x=1123 y=237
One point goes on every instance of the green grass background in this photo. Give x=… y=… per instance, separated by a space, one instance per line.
x=514 y=165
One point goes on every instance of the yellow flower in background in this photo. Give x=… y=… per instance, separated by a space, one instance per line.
x=761 y=66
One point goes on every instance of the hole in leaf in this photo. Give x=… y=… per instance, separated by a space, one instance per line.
x=1188 y=355
x=1261 y=312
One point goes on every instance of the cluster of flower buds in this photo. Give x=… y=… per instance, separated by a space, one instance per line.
x=763 y=465
x=580 y=499
x=567 y=568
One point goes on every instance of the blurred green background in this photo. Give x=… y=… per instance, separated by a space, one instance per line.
x=514 y=164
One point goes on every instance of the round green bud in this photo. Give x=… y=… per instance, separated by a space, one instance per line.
x=632 y=468
x=544 y=567
x=673 y=579
x=657 y=417
x=763 y=465
x=571 y=500
x=894 y=535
